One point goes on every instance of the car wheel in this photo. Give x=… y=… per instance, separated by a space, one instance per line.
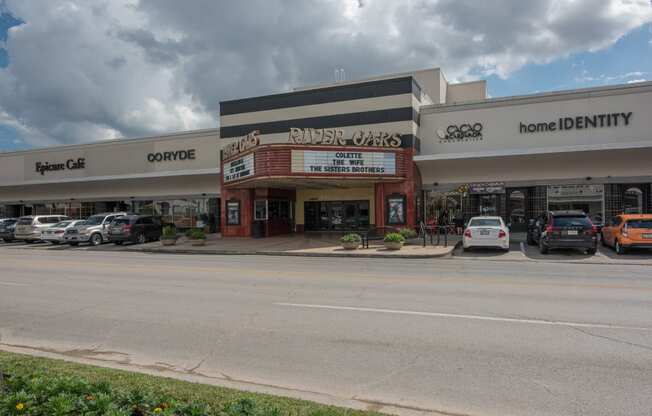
x=8 y=240
x=74 y=244
x=619 y=248
x=591 y=251
x=55 y=242
x=542 y=247
x=141 y=239
x=28 y=241
x=96 y=239
x=117 y=243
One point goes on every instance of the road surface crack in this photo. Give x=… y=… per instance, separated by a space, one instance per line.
x=617 y=340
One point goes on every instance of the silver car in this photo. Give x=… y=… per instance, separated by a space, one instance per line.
x=29 y=228
x=55 y=234
x=94 y=230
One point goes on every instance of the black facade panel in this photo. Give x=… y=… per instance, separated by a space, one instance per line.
x=339 y=120
x=381 y=88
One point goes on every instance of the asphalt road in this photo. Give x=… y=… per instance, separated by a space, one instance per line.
x=449 y=335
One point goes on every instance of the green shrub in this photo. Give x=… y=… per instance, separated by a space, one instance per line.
x=408 y=233
x=394 y=238
x=196 y=234
x=351 y=238
x=169 y=232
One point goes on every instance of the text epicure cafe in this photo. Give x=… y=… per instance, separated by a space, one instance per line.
x=391 y=151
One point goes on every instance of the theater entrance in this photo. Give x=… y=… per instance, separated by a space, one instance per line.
x=336 y=215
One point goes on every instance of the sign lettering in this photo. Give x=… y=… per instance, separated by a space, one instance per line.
x=249 y=141
x=171 y=156
x=342 y=162
x=577 y=123
x=239 y=168
x=336 y=137
x=71 y=164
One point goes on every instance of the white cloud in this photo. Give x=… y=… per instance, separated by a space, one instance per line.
x=633 y=81
x=81 y=71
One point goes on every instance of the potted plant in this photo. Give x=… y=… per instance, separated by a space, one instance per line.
x=351 y=241
x=196 y=237
x=169 y=235
x=408 y=234
x=394 y=241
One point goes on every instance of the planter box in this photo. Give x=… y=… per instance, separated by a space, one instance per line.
x=168 y=242
x=197 y=243
x=393 y=245
x=350 y=245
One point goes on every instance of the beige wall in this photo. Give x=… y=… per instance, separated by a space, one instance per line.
x=500 y=120
x=121 y=158
x=602 y=166
x=467 y=91
x=351 y=194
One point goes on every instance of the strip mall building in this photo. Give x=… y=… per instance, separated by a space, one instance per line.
x=389 y=151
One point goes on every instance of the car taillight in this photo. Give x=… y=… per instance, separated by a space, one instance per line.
x=502 y=234
x=59 y=232
x=126 y=228
x=467 y=233
x=594 y=230
x=549 y=229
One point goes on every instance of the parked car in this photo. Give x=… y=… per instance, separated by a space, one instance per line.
x=55 y=234
x=7 y=227
x=135 y=228
x=94 y=230
x=564 y=229
x=628 y=231
x=29 y=228
x=486 y=232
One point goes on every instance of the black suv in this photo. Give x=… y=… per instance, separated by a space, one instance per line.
x=563 y=229
x=135 y=228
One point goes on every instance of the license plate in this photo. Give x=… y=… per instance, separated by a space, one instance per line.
x=572 y=232
x=484 y=232
x=646 y=236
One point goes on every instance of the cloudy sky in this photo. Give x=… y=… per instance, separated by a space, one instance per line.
x=76 y=71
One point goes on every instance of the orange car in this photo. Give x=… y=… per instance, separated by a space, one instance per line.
x=628 y=231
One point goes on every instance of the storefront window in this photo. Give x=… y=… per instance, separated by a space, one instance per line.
x=233 y=213
x=633 y=201
x=260 y=210
x=443 y=204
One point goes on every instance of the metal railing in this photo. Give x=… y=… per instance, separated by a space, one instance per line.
x=435 y=232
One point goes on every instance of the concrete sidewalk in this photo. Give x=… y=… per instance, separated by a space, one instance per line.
x=293 y=245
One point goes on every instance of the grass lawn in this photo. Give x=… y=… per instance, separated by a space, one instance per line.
x=218 y=398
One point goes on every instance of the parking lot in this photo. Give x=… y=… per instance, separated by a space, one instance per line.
x=520 y=251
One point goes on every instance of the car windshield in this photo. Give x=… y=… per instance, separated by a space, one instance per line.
x=62 y=224
x=647 y=224
x=95 y=220
x=571 y=222
x=25 y=221
x=120 y=221
x=484 y=222
x=8 y=222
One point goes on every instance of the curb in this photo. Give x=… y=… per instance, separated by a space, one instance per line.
x=291 y=254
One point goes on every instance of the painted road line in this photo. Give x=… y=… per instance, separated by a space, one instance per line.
x=458 y=316
x=13 y=284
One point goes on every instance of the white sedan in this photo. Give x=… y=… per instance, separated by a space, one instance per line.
x=486 y=232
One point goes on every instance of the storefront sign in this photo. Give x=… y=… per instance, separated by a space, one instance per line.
x=71 y=164
x=363 y=138
x=249 y=141
x=487 y=188
x=343 y=162
x=575 y=191
x=239 y=168
x=578 y=123
x=171 y=156
x=461 y=133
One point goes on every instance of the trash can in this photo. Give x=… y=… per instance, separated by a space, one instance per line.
x=258 y=229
